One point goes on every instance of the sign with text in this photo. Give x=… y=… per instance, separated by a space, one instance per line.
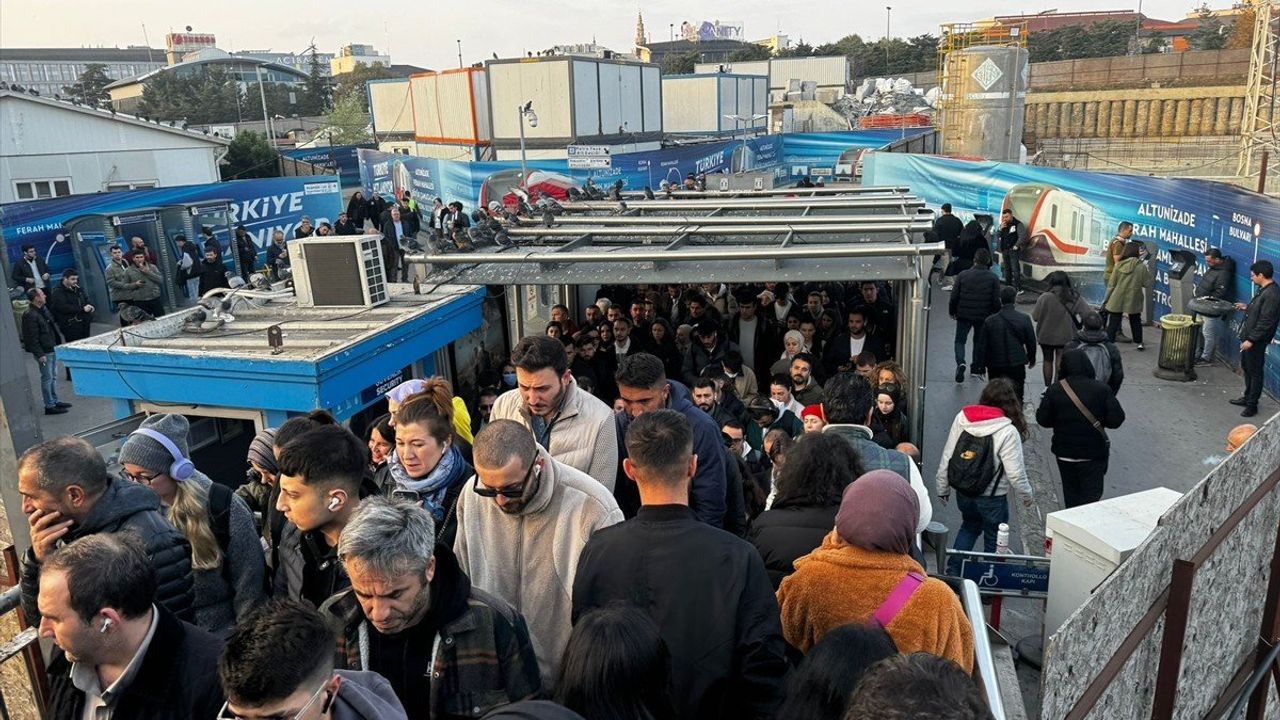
x=588 y=151
x=588 y=163
x=1019 y=576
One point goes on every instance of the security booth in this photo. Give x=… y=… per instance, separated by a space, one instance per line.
x=728 y=240
x=252 y=358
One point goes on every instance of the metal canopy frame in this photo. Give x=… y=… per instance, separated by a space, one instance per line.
x=824 y=191
x=794 y=245
x=896 y=201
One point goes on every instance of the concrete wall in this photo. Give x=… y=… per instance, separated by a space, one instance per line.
x=1226 y=601
x=1165 y=113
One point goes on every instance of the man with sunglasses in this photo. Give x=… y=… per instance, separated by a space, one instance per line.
x=120 y=655
x=67 y=494
x=521 y=528
x=449 y=649
x=278 y=665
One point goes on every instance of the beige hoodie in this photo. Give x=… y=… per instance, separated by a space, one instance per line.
x=529 y=559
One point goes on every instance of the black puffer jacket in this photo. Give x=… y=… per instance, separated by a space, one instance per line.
x=1009 y=339
x=127 y=507
x=1218 y=282
x=976 y=294
x=783 y=534
x=1073 y=436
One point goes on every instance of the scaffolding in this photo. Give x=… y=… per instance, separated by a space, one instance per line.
x=1260 y=131
x=959 y=37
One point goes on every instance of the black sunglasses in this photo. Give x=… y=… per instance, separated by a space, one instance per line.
x=515 y=491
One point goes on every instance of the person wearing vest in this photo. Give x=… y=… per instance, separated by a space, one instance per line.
x=847 y=408
x=981 y=461
x=225 y=552
x=864 y=573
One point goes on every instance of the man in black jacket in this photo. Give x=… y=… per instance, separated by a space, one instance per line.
x=843 y=349
x=30 y=271
x=40 y=338
x=1261 y=317
x=246 y=252
x=67 y=495
x=70 y=307
x=948 y=228
x=762 y=341
x=1081 y=447
x=1013 y=240
x=396 y=232
x=976 y=295
x=1008 y=342
x=1217 y=282
x=116 y=649
x=705 y=589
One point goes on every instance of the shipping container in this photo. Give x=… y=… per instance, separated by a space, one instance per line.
x=699 y=104
x=576 y=101
x=451 y=107
x=449 y=151
x=391 y=107
x=827 y=72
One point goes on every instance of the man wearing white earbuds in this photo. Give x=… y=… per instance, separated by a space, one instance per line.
x=320 y=475
x=120 y=654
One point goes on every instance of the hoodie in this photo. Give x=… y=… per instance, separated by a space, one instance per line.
x=122 y=506
x=530 y=558
x=366 y=696
x=987 y=421
x=1099 y=338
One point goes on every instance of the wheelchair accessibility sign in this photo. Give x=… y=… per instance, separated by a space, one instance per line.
x=1014 y=575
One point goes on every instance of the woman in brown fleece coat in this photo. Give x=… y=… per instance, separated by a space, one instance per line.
x=860 y=563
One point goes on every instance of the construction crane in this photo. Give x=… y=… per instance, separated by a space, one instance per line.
x=1260 y=127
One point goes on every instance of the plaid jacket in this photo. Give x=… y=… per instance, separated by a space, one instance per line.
x=483 y=659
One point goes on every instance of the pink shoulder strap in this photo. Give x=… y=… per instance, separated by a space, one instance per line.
x=897 y=599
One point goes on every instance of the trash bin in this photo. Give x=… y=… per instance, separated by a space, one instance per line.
x=1179 y=341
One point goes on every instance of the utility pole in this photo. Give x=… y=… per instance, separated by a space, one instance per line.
x=887 y=70
x=266 y=118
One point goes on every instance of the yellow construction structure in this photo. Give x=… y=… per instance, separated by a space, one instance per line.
x=958 y=37
x=1260 y=128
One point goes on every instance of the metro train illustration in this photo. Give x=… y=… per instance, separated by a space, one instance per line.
x=1064 y=231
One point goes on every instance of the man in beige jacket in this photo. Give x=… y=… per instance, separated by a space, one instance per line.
x=522 y=526
x=573 y=426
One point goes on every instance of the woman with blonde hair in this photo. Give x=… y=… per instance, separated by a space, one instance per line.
x=225 y=551
x=428 y=466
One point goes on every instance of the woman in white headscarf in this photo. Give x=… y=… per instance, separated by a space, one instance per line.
x=792 y=345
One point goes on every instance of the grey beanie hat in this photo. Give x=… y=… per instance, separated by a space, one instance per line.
x=148 y=453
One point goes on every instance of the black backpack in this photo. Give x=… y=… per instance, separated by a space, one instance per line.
x=972 y=466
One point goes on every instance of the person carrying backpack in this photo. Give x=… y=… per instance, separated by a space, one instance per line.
x=1103 y=354
x=981 y=461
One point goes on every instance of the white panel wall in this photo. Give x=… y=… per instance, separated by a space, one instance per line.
x=586 y=98
x=689 y=105
x=91 y=172
x=391 y=106
x=454 y=106
x=610 y=97
x=480 y=93
x=630 y=90
x=422 y=93
x=826 y=71
x=546 y=83
x=726 y=89
x=654 y=102
x=445 y=152
x=742 y=104
x=761 y=99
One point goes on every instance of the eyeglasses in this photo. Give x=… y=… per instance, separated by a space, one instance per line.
x=513 y=492
x=329 y=690
x=140 y=479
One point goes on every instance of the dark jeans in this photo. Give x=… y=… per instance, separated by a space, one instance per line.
x=1016 y=374
x=1135 y=326
x=1012 y=269
x=962 y=336
x=1082 y=481
x=154 y=307
x=1252 y=362
x=980 y=517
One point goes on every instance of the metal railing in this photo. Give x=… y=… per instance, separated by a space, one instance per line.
x=25 y=643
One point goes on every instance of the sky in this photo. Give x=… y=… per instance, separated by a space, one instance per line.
x=424 y=33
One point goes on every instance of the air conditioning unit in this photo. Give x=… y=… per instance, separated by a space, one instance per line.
x=342 y=271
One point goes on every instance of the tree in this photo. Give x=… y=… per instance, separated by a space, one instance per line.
x=1102 y=39
x=90 y=86
x=348 y=124
x=316 y=99
x=1241 y=36
x=1155 y=44
x=800 y=49
x=681 y=63
x=249 y=156
x=353 y=83
x=749 y=53
x=1211 y=34
x=207 y=97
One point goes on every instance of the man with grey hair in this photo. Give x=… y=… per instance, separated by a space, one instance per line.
x=412 y=616
x=522 y=527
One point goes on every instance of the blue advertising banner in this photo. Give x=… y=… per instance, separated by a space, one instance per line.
x=1071 y=216
x=262 y=206
x=828 y=154
x=342 y=159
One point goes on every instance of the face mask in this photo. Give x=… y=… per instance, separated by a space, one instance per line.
x=509 y=378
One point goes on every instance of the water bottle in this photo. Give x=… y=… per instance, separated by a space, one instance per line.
x=1002 y=540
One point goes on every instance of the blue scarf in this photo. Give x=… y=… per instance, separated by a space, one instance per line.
x=434 y=486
